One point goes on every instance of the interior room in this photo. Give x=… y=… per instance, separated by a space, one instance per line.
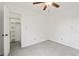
x=39 y=29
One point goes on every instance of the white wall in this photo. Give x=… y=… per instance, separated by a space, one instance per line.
x=64 y=25
x=34 y=28
x=65 y=31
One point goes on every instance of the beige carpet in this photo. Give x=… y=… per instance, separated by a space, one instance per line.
x=47 y=48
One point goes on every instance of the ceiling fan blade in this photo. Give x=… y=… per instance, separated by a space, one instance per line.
x=37 y=2
x=45 y=7
x=55 y=5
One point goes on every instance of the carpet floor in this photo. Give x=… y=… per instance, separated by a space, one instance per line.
x=46 y=48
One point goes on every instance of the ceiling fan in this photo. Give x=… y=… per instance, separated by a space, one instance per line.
x=46 y=4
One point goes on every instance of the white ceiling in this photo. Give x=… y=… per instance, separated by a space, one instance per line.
x=68 y=9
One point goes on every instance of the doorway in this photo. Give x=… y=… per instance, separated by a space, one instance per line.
x=14 y=30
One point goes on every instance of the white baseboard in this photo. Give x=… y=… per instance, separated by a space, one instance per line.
x=66 y=44
x=33 y=43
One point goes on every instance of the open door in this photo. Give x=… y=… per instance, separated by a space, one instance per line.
x=6 y=32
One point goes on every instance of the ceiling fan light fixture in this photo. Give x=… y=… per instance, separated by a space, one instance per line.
x=48 y=4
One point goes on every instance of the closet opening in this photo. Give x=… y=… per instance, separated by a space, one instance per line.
x=15 y=31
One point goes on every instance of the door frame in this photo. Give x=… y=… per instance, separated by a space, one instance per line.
x=7 y=11
x=6 y=32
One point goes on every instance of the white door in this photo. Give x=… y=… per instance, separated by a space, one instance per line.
x=6 y=32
